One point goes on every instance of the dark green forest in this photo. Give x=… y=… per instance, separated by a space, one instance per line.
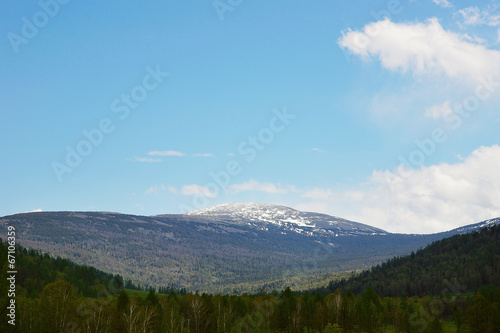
x=466 y=262
x=454 y=281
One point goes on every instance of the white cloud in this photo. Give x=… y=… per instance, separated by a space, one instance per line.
x=443 y=3
x=439 y=110
x=498 y=36
x=319 y=150
x=422 y=49
x=321 y=194
x=38 y=210
x=203 y=155
x=470 y=15
x=431 y=199
x=314 y=207
x=166 y=153
x=476 y=16
x=155 y=189
x=160 y=188
x=146 y=159
x=197 y=190
x=329 y=195
x=256 y=186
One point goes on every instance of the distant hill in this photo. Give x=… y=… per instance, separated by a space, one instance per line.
x=239 y=246
x=461 y=262
x=35 y=270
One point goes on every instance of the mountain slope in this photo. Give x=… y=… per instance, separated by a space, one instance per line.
x=217 y=249
x=471 y=227
x=461 y=262
x=36 y=270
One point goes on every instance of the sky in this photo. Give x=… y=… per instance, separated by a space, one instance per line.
x=382 y=112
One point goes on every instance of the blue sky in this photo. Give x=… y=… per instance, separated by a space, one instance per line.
x=384 y=112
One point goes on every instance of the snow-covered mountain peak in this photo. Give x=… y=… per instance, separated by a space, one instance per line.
x=255 y=212
x=239 y=207
x=287 y=218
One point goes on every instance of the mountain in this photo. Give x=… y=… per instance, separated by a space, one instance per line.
x=262 y=215
x=233 y=246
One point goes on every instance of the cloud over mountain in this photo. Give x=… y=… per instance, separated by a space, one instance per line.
x=422 y=49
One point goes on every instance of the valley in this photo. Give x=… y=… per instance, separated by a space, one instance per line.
x=239 y=246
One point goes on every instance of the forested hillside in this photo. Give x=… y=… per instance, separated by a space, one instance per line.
x=35 y=270
x=55 y=295
x=463 y=262
x=207 y=253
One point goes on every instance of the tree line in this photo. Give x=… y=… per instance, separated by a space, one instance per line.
x=59 y=308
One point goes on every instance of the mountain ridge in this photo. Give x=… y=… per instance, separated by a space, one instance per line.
x=214 y=253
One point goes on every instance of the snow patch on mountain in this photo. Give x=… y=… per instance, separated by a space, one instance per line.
x=474 y=227
x=287 y=218
x=257 y=212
